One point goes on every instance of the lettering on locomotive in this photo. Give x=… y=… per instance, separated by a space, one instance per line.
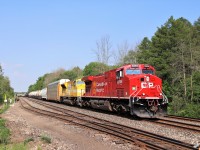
x=146 y=85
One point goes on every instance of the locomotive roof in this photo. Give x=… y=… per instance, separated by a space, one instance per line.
x=90 y=78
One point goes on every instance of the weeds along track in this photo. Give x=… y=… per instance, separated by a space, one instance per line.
x=142 y=139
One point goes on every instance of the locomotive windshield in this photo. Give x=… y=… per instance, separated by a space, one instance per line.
x=138 y=71
x=133 y=71
x=145 y=71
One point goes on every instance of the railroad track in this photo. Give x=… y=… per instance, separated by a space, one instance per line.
x=142 y=139
x=174 y=121
x=195 y=120
x=177 y=124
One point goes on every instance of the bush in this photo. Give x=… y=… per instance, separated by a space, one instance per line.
x=28 y=140
x=4 y=132
x=46 y=139
x=190 y=110
x=4 y=108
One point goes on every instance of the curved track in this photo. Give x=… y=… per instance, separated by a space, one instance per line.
x=143 y=139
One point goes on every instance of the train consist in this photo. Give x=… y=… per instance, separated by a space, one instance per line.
x=132 y=88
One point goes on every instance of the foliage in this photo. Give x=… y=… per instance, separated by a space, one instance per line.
x=186 y=110
x=28 y=140
x=38 y=85
x=72 y=74
x=44 y=80
x=95 y=68
x=4 y=108
x=17 y=146
x=46 y=139
x=5 y=88
x=130 y=57
x=170 y=47
x=174 y=50
x=4 y=132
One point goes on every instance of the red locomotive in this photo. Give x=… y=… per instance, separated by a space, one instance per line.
x=130 y=88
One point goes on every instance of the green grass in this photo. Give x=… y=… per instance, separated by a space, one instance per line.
x=5 y=135
x=18 y=146
x=46 y=139
x=4 y=132
x=4 y=108
x=28 y=140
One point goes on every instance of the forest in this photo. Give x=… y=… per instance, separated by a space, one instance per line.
x=174 y=51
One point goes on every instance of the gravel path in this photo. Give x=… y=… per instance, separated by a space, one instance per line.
x=64 y=136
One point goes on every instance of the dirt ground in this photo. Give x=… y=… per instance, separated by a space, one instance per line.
x=64 y=136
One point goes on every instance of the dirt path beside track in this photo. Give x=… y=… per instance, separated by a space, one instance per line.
x=24 y=125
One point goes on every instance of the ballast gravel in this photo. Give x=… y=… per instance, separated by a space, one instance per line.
x=186 y=136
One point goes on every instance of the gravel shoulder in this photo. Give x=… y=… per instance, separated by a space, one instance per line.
x=24 y=124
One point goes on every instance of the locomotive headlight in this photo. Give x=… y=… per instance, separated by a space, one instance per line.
x=160 y=94
x=143 y=94
x=133 y=88
x=147 y=79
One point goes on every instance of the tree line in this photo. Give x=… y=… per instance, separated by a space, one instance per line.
x=5 y=88
x=174 y=51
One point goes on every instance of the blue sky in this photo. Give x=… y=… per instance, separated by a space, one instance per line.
x=40 y=36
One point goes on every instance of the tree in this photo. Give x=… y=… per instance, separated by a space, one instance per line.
x=72 y=74
x=54 y=76
x=1 y=71
x=5 y=88
x=102 y=52
x=95 y=68
x=122 y=51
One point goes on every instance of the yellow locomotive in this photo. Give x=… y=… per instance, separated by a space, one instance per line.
x=64 y=90
x=74 y=90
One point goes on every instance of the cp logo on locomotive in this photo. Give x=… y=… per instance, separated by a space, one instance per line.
x=146 y=85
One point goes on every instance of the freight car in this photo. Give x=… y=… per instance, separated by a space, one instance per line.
x=131 y=88
x=57 y=89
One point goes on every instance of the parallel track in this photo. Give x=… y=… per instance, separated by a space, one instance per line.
x=183 y=118
x=181 y=125
x=140 y=138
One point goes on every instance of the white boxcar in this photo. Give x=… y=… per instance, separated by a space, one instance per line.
x=44 y=93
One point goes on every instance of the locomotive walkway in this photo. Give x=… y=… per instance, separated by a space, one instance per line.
x=142 y=139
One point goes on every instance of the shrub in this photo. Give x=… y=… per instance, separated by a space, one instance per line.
x=46 y=139
x=4 y=132
x=28 y=140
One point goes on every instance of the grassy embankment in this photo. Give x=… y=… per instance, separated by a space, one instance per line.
x=5 y=134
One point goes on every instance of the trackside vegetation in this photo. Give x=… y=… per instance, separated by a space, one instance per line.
x=46 y=139
x=5 y=88
x=4 y=132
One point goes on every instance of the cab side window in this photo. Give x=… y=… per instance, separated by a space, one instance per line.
x=119 y=74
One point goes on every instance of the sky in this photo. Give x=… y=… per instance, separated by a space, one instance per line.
x=41 y=36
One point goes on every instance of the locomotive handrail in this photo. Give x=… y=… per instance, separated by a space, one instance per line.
x=165 y=97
